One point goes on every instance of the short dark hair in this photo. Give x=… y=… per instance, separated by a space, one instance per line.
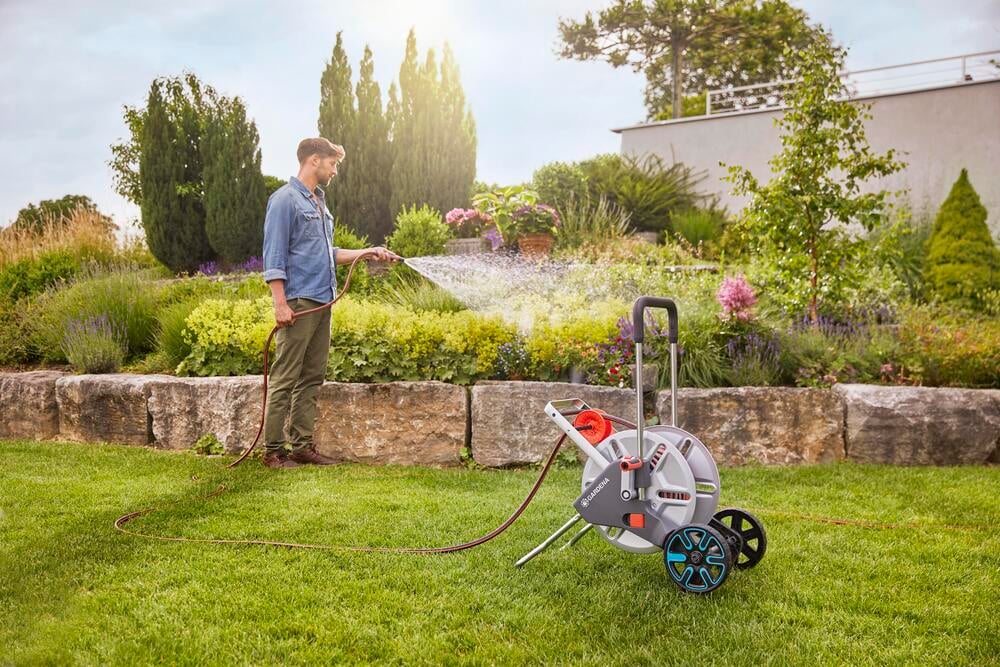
x=318 y=146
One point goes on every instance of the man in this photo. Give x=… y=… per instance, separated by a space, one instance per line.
x=300 y=268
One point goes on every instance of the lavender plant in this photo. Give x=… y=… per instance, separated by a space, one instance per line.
x=94 y=344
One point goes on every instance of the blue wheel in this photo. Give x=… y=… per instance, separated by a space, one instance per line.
x=697 y=557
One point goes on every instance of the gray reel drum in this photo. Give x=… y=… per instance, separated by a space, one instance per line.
x=688 y=480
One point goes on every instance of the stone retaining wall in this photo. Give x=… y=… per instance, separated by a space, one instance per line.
x=509 y=425
x=429 y=423
x=761 y=424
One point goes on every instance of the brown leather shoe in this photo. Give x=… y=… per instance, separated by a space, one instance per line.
x=278 y=460
x=310 y=455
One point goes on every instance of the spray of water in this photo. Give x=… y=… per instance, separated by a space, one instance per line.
x=520 y=289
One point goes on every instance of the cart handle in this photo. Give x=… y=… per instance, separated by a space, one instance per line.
x=638 y=311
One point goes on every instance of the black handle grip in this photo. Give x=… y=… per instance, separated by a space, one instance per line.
x=639 y=322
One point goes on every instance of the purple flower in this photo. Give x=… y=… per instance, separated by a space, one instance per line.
x=208 y=268
x=493 y=236
x=251 y=265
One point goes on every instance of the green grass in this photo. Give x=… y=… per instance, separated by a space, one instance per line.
x=73 y=590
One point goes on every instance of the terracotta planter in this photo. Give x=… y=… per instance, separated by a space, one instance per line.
x=535 y=245
x=466 y=246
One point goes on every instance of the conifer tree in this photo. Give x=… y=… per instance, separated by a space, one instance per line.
x=371 y=159
x=172 y=215
x=235 y=196
x=336 y=123
x=962 y=259
x=459 y=141
x=433 y=134
x=406 y=170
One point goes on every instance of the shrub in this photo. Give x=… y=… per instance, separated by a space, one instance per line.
x=381 y=343
x=85 y=234
x=171 y=332
x=904 y=246
x=587 y=222
x=559 y=183
x=127 y=299
x=30 y=276
x=831 y=351
x=701 y=355
x=361 y=281
x=419 y=295
x=557 y=345
x=754 y=360
x=94 y=345
x=418 y=233
x=699 y=226
x=962 y=259
x=226 y=336
x=645 y=187
x=945 y=349
x=371 y=342
x=238 y=287
x=59 y=211
x=513 y=360
x=15 y=343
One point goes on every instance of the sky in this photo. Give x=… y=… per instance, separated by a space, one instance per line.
x=68 y=69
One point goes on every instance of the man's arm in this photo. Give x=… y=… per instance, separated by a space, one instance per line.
x=277 y=223
x=378 y=253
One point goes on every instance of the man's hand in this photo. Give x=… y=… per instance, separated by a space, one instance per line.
x=380 y=254
x=283 y=315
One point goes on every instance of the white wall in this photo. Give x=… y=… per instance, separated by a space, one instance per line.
x=942 y=130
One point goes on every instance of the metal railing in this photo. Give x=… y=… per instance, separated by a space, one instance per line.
x=907 y=77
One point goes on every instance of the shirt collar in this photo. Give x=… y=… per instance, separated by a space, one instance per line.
x=301 y=187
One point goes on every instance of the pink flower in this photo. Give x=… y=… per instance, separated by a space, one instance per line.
x=454 y=216
x=736 y=298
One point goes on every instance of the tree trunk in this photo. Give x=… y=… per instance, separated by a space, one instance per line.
x=814 y=284
x=676 y=46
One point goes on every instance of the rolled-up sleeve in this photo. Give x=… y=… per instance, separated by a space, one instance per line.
x=277 y=227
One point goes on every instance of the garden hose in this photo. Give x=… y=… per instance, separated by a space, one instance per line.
x=267 y=345
x=125 y=518
x=121 y=522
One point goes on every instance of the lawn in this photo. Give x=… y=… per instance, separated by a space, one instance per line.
x=73 y=590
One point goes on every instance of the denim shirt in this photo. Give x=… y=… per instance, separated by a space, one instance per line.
x=298 y=243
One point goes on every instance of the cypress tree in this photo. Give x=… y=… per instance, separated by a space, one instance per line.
x=459 y=142
x=234 y=192
x=172 y=216
x=336 y=123
x=433 y=134
x=406 y=165
x=371 y=160
x=962 y=259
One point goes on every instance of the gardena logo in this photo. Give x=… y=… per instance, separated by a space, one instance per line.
x=590 y=496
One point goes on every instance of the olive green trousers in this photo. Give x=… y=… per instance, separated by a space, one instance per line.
x=296 y=375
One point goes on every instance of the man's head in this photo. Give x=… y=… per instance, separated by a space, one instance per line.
x=319 y=157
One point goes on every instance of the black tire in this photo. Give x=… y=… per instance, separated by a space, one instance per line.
x=751 y=530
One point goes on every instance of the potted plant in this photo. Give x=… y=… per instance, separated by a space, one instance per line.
x=467 y=227
x=535 y=227
x=498 y=206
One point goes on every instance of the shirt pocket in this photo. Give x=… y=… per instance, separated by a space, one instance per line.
x=310 y=224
